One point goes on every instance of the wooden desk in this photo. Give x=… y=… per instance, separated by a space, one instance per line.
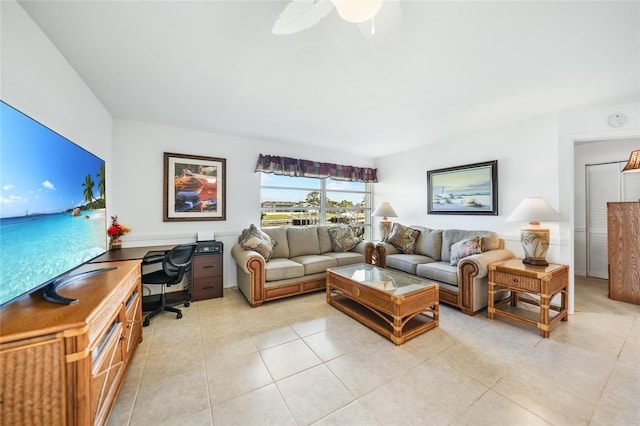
x=131 y=253
x=524 y=282
x=205 y=278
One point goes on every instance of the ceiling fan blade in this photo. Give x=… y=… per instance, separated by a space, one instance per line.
x=299 y=15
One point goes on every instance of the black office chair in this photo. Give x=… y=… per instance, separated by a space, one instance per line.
x=175 y=263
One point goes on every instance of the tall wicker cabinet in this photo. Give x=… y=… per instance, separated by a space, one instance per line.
x=623 y=228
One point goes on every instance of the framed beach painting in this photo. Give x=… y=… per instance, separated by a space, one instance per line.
x=194 y=187
x=470 y=189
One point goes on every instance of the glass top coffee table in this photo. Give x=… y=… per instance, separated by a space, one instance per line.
x=396 y=305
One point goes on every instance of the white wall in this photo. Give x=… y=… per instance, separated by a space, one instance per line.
x=535 y=158
x=138 y=152
x=37 y=80
x=527 y=167
x=592 y=152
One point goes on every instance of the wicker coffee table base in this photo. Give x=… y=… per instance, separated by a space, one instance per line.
x=398 y=318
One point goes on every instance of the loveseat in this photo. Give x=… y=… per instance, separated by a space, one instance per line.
x=428 y=253
x=277 y=262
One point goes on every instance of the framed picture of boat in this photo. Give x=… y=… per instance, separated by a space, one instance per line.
x=194 y=187
x=470 y=190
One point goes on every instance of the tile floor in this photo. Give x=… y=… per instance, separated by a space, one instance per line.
x=300 y=361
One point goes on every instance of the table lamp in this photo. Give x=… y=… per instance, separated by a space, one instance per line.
x=534 y=238
x=385 y=211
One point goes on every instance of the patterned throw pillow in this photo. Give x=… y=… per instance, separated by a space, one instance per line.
x=258 y=241
x=403 y=238
x=342 y=238
x=465 y=248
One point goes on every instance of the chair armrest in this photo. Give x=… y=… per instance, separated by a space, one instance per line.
x=153 y=257
x=481 y=261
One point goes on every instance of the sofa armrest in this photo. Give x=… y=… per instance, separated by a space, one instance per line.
x=366 y=248
x=244 y=258
x=382 y=250
x=472 y=272
x=250 y=273
x=481 y=261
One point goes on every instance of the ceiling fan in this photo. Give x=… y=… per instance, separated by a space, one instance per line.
x=299 y=15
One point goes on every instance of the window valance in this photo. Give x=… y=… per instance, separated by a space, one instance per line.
x=304 y=168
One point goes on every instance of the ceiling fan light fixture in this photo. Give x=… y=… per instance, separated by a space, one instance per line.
x=357 y=11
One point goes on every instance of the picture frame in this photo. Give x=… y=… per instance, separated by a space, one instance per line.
x=194 y=188
x=471 y=189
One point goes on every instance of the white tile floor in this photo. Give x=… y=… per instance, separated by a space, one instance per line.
x=299 y=362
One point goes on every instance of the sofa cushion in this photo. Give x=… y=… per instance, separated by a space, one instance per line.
x=403 y=238
x=343 y=238
x=407 y=262
x=346 y=258
x=281 y=269
x=314 y=263
x=429 y=242
x=258 y=241
x=439 y=271
x=490 y=240
x=303 y=240
x=323 y=239
x=465 y=248
x=279 y=235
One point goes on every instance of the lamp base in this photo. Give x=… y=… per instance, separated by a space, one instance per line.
x=535 y=242
x=385 y=229
x=535 y=262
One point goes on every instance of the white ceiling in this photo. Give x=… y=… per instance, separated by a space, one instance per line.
x=443 y=70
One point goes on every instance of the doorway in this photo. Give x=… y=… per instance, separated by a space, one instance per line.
x=604 y=183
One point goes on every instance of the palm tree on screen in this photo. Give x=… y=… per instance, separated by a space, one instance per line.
x=88 y=185
x=101 y=182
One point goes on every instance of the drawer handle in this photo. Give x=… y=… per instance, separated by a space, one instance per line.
x=208 y=266
x=208 y=287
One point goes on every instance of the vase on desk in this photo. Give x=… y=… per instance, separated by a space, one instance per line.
x=115 y=243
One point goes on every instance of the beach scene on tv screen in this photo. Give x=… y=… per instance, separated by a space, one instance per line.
x=52 y=204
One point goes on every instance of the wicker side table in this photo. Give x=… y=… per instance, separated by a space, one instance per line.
x=534 y=287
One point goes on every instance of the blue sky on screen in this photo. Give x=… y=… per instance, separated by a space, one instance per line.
x=40 y=171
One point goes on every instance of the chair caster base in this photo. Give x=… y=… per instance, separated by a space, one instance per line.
x=178 y=316
x=146 y=323
x=187 y=304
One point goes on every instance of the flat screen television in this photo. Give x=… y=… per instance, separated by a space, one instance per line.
x=52 y=208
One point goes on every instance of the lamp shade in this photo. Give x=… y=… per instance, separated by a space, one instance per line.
x=633 y=165
x=356 y=11
x=384 y=210
x=534 y=210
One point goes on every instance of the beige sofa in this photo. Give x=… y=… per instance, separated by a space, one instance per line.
x=297 y=264
x=464 y=285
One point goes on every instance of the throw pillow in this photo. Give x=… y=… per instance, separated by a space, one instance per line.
x=465 y=248
x=342 y=238
x=403 y=238
x=258 y=241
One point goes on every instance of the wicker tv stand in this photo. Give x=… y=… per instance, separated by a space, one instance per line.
x=64 y=364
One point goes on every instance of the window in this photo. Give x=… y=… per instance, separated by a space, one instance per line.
x=295 y=201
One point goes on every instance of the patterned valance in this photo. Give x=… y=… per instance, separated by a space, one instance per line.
x=304 y=168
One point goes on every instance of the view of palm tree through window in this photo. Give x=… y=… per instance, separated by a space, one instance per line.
x=297 y=201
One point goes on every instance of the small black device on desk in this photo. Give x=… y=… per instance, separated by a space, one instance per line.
x=209 y=247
